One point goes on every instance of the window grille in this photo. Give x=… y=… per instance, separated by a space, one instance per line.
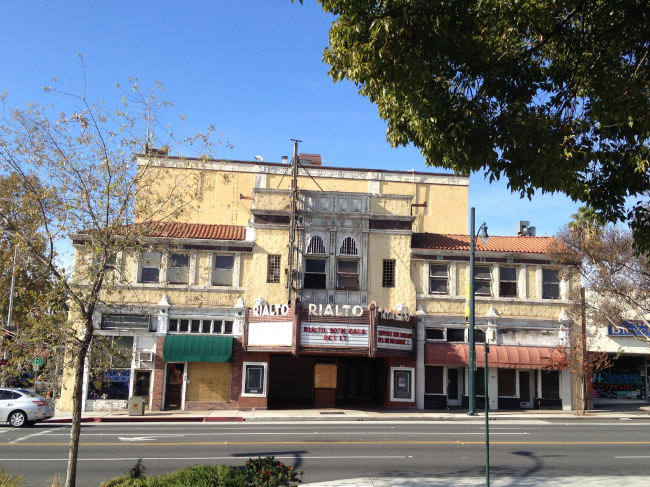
x=316 y=245
x=438 y=278
x=273 y=269
x=349 y=247
x=388 y=277
x=550 y=284
x=508 y=282
x=482 y=280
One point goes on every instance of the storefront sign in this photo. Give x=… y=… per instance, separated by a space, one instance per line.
x=334 y=335
x=271 y=310
x=118 y=375
x=336 y=310
x=391 y=314
x=392 y=338
x=628 y=330
x=274 y=333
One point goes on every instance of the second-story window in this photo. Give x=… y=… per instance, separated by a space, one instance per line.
x=179 y=269
x=213 y=326
x=315 y=276
x=273 y=269
x=508 y=282
x=550 y=284
x=388 y=275
x=316 y=245
x=223 y=270
x=482 y=280
x=150 y=267
x=438 y=279
x=347 y=275
x=455 y=335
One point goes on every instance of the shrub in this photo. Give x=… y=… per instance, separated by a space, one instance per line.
x=269 y=472
x=196 y=476
x=9 y=480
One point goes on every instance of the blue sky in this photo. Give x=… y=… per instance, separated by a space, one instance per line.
x=253 y=69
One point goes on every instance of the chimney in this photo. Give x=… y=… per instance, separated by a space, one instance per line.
x=285 y=159
x=314 y=159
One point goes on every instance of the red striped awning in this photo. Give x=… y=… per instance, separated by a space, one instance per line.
x=504 y=356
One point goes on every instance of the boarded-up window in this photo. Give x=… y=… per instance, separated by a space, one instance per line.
x=208 y=381
x=507 y=382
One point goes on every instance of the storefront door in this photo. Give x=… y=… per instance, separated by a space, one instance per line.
x=142 y=382
x=453 y=383
x=524 y=389
x=174 y=386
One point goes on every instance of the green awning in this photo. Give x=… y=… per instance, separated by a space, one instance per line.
x=197 y=348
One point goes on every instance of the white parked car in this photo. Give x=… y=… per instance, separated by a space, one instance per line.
x=21 y=408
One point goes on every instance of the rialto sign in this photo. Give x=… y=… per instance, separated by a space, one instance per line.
x=329 y=310
x=271 y=310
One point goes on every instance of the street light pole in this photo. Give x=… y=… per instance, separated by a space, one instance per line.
x=472 y=346
x=471 y=383
x=486 y=349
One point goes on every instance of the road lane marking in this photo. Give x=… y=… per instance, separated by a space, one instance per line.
x=231 y=457
x=32 y=435
x=147 y=437
x=354 y=442
x=646 y=456
x=368 y=433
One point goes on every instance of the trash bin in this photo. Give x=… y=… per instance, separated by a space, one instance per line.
x=136 y=406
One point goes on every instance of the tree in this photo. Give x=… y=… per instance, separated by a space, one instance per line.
x=616 y=279
x=551 y=95
x=575 y=357
x=82 y=171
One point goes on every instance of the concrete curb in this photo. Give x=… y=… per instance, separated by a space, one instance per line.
x=150 y=419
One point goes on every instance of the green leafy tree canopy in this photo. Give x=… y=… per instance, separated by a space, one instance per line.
x=553 y=95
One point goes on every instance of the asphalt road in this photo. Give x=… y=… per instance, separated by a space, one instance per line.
x=338 y=450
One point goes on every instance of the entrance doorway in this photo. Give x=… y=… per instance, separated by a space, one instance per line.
x=453 y=386
x=525 y=389
x=141 y=387
x=174 y=386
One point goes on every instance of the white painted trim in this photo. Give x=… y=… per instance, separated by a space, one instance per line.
x=243 y=379
x=392 y=380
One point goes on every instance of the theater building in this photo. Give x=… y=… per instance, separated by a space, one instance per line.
x=375 y=316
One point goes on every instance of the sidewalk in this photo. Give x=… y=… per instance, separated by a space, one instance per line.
x=480 y=481
x=616 y=412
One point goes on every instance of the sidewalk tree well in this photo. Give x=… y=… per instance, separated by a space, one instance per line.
x=553 y=96
x=81 y=170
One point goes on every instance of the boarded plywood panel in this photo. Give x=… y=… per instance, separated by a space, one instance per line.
x=208 y=381
x=325 y=376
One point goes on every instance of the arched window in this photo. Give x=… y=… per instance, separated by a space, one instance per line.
x=349 y=247
x=316 y=245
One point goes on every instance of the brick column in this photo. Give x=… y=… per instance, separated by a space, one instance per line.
x=158 y=376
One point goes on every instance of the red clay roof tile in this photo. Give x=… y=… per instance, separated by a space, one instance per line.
x=197 y=230
x=436 y=241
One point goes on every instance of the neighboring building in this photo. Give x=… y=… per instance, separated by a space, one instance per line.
x=208 y=321
x=521 y=309
x=627 y=378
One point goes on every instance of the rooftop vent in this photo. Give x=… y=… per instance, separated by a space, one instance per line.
x=524 y=229
x=310 y=159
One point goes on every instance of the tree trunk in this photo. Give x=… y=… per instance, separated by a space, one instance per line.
x=77 y=399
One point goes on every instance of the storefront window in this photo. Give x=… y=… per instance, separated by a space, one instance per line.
x=507 y=382
x=111 y=384
x=402 y=384
x=479 y=381
x=254 y=379
x=550 y=384
x=114 y=381
x=433 y=379
x=455 y=335
x=625 y=379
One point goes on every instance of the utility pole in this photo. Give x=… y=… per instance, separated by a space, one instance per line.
x=293 y=222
